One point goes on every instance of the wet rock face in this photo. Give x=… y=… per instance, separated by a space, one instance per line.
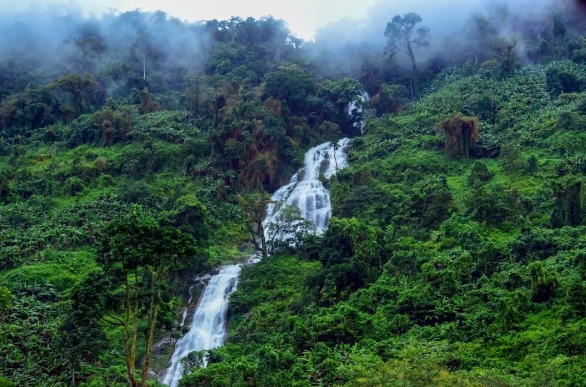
x=245 y=246
x=163 y=346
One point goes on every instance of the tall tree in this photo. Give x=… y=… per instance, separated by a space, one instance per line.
x=79 y=93
x=402 y=36
x=137 y=252
x=254 y=207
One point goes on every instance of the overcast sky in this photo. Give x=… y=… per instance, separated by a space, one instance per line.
x=302 y=16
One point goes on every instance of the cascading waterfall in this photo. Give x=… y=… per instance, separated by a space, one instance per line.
x=354 y=108
x=208 y=327
x=306 y=191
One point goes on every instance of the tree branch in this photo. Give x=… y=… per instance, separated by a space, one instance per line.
x=118 y=321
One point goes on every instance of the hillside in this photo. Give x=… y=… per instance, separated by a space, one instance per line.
x=440 y=270
x=140 y=159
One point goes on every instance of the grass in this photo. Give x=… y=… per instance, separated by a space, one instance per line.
x=62 y=269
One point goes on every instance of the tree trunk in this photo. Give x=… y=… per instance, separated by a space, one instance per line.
x=414 y=72
x=263 y=242
x=152 y=322
x=127 y=349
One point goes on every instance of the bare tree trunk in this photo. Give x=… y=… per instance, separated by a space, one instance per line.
x=414 y=71
x=127 y=349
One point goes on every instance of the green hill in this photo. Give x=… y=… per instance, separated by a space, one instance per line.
x=454 y=256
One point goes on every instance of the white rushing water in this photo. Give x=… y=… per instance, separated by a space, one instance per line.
x=208 y=326
x=354 y=106
x=306 y=191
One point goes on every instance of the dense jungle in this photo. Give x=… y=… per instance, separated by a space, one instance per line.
x=138 y=153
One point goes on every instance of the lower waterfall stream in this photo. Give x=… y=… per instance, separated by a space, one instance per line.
x=208 y=326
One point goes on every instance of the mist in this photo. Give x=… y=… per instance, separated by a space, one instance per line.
x=58 y=40
x=349 y=47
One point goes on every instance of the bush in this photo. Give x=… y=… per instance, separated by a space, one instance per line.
x=6 y=383
x=559 y=81
x=479 y=174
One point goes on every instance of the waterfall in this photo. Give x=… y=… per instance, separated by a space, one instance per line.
x=184 y=316
x=306 y=191
x=353 y=106
x=208 y=327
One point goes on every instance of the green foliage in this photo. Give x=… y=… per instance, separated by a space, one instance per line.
x=6 y=383
x=351 y=256
x=190 y=216
x=5 y=300
x=389 y=99
x=479 y=174
x=28 y=333
x=434 y=271
x=569 y=204
x=342 y=94
x=137 y=253
x=503 y=59
x=291 y=84
x=559 y=81
x=289 y=229
x=510 y=157
x=59 y=269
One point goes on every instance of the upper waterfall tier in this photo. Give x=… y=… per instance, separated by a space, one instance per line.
x=305 y=189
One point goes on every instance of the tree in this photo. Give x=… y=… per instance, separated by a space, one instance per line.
x=479 y=174
x=569 y=203
x=82 y=91
x=292 y=85
x=479 y=30
x=89 y=46
x=288 y=229
x=389 y=99
x=402 y=36
x=199 y=97
x=339 y=96
x=350 y=253
x=137 y=252
x=147 y=105
x=503 y=57
x=254 y=207
x=510 y=157
x=141 y=48
x=81 y=337
x=335 y=144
